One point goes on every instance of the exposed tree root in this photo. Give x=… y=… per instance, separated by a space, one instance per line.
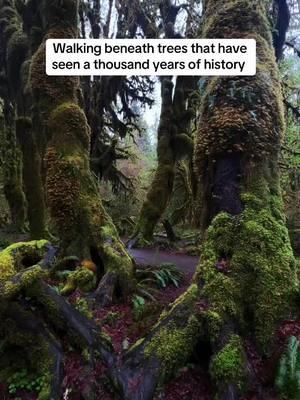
x=190 y=320
x=49 y=348
x=106 y=290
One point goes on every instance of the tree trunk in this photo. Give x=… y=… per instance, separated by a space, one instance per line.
x=161 y=186
x=236 y=159
x=32 y=177
x=12 y=168
x=25 y=165
x=173 y=142
x=76 y=209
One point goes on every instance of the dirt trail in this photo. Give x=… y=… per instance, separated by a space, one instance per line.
x=155 y=257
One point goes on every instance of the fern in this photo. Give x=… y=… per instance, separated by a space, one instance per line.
x=162 y=276
x=288 y=376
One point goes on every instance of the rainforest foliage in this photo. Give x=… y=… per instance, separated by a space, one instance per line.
x=149 y=227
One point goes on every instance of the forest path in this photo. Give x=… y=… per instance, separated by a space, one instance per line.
x=155 y=256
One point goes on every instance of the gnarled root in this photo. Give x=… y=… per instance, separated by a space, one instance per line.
x=26 y=331
x=168 y=346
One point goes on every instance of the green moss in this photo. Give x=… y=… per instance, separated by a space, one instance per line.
x=82 y=306
x=214 y=325
x=11 y=257
x=175 y=334
x=262 y=277
x=173 y=345
x=81 y=278
x=228 y=366
x=105 y=336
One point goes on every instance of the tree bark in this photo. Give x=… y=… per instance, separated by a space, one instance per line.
x=173 y=142
x=236 y=160
x=76 y=209
x=11 y=167
x=25 y=166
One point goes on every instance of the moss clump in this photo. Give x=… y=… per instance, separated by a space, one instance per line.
x=11 y=263
x=81 y=278
x=11 y=257
x=228 y=366
x=173 y=345
x=82 y=306
x=214 y=325
x=69 y=119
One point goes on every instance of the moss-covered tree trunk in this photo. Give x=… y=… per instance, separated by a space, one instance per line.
x=236 y=159
x=173 y=142
x=32 y=178
x=76 y=209
x=12 y=168
x=246 y=280
x=162 y=183
x=25 y=164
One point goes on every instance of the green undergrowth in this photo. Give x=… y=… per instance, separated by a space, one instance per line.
x=288 y=375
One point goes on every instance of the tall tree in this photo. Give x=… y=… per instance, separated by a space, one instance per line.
x=172 y=134
x=10 y=155
x=24 y=167
x=173 y=140
x=73 y=197
x=236 y=158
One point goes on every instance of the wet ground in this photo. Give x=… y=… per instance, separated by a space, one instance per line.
x=153 y=256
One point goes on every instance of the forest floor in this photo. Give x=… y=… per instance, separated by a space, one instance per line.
x=126 y=322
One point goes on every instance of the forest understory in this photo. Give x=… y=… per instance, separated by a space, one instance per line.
x=149 y=227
